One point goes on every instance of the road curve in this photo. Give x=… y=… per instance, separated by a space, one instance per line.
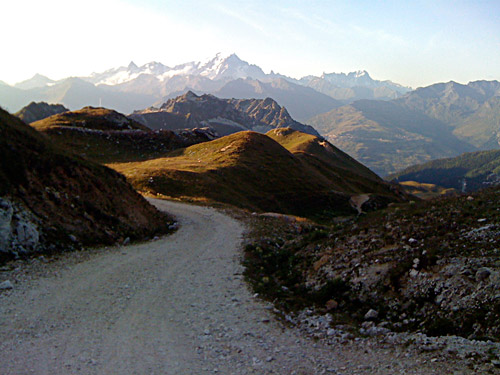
x=177 y=305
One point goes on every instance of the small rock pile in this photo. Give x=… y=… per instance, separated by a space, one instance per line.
x=19 y=233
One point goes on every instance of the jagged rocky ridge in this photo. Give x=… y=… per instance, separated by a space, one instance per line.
x=38 y=111
x=226 y=116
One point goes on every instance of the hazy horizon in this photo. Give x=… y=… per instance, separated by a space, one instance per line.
x=415 y=44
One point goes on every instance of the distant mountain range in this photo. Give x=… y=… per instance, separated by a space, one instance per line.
x=441 y=120
x=131 y=87
x=226 y=116
x=380 y=123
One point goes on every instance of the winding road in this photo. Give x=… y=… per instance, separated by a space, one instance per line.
x=177 y=305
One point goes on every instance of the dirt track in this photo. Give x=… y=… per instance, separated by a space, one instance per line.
x=177 y=305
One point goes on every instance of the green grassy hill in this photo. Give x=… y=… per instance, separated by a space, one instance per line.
x=328 y=161
x=253 y=171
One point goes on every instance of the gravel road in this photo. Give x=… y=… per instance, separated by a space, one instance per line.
x=177 y=305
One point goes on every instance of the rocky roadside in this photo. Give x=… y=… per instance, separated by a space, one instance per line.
x=423 y=276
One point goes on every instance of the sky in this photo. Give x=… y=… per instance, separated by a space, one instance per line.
x=414 y=43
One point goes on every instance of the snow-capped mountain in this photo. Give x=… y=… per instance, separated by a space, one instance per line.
x=217 y=68
x=357 y=78
x=132 y=87
x=354 y=86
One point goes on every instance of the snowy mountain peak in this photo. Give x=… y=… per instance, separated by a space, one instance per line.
x=230 y=66
x=36 y=81
x=352 y=79
x=359 y=74
x=132 y=66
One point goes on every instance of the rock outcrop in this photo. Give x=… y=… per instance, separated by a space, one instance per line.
x=38 y=111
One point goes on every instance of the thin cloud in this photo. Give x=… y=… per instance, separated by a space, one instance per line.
x=248 y=18
x=379 y=36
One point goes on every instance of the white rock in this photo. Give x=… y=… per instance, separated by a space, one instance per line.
x=6 y=285
x=371 y=314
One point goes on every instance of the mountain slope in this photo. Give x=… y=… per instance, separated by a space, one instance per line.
x=38 y=111
x=34 y=82
x=441 y=120
x=472 y=110
x=227 y=116
x=52 y=200
x=91 y=118
x=386 y=136
x=326 y=158
x=467 y=172
x=252 y=171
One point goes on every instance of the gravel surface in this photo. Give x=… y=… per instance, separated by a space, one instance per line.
x=177 y=305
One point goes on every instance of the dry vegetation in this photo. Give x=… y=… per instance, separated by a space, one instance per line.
x=430 y=266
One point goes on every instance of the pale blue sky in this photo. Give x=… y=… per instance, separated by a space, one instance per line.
x=414 y=43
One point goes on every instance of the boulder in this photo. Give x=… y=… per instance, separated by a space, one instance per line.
x=371 y=315
x=483 y=273
x=27 y=235
x=6 y=285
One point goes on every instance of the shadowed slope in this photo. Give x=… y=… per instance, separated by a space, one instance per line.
x=68 y=199
x=467 y=172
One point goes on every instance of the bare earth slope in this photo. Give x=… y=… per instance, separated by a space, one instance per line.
x=173 y=306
